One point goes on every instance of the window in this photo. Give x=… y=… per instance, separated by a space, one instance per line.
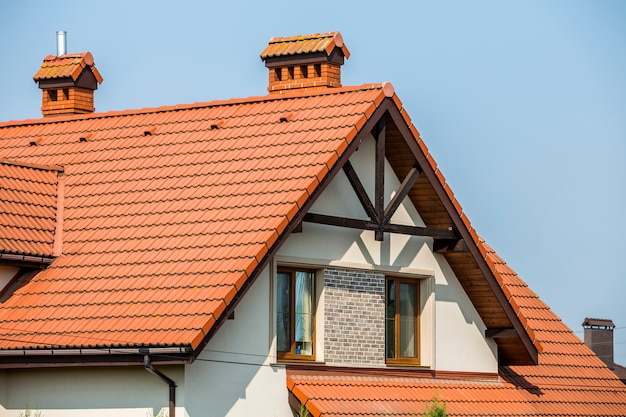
x=402 y=321
x=295 y=314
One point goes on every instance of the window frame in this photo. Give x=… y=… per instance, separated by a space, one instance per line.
x=398 y=360
x=292 y=356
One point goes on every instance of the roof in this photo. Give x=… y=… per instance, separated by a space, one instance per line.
x=304 y=44
x=169 y=211
x=569 y=379
x=67 y=66
x=28 y=208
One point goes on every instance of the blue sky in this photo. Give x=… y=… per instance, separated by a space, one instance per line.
x=522 y=104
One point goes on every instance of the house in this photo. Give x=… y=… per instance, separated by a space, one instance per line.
x=253 y=256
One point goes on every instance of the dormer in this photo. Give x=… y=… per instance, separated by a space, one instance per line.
x=305 y=62
x=68 y=82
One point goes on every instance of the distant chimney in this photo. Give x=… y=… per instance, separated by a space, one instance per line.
x=599 y=338
x=67 y=81
x=305 y=62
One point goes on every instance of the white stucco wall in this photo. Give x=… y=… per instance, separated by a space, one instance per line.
x=128 y=391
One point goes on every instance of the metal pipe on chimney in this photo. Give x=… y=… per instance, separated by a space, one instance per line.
x=61 y=43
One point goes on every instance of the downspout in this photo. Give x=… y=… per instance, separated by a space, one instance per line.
x=164 y=378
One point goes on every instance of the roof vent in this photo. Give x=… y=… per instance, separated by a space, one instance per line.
x=67 y=81
x=599 y=338
x=305 y=62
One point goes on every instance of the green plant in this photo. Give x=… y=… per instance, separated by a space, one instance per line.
x=28 y=412
x=435 y=408
x=303 y=412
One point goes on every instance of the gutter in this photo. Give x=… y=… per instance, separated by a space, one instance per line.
x=95 y=351
x=27 y=258
x=164 y=378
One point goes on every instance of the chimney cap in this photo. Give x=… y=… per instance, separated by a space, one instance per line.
x=603 y=323
x=305 y=44
x=67 y=66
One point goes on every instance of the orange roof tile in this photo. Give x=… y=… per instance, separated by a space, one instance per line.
x=28 y=208
x=66 y=66
x=162 y=230
x=294 y=45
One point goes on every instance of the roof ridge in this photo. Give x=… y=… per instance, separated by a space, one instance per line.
x=196 y=105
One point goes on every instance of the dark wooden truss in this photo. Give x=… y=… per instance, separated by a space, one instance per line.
x=380 y=215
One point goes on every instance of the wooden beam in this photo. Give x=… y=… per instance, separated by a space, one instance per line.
x=402 y=192
x=501 y=333
x=419 y=231
x=356 y=184
x=379 y=184
x=445 y=246
x=369 y=225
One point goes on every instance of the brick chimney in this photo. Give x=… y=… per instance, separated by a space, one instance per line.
x=305 y=62
x=67 y=82
x=599 y=338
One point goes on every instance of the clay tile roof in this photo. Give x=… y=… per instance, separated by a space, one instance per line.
x=163 y=229
x=28 y=208
x=591 y=322
x=294 y=45
x=67 y=66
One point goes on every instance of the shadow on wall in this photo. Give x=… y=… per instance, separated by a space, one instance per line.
x=100 y=389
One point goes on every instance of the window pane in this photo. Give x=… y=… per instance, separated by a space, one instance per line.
x=282 y=312
x=304 y=313
x=390 y=320
x=408 y=314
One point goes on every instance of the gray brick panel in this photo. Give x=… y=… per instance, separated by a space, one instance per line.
x=354 y=317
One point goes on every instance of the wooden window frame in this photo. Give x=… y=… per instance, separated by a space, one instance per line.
x=398 y=360
x=292 y=356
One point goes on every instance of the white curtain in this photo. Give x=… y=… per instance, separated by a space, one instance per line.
x=304 y=307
